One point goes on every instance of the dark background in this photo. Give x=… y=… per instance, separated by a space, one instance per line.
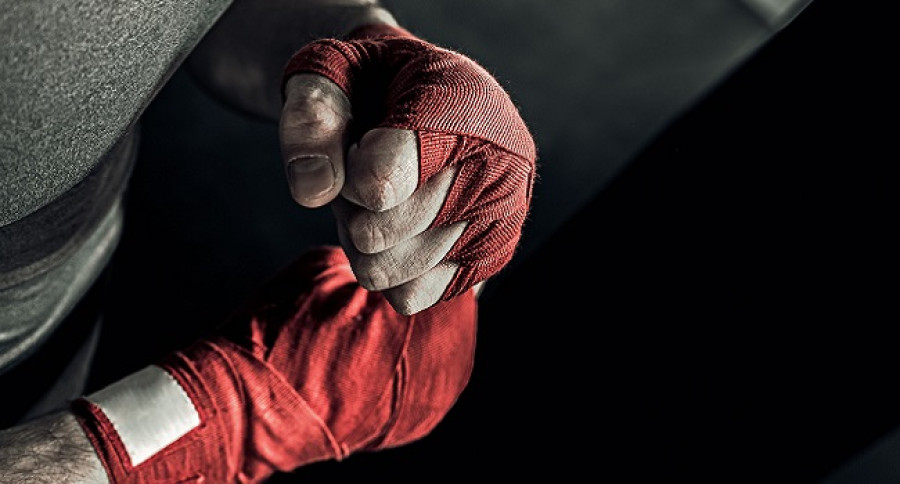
x=705 y=290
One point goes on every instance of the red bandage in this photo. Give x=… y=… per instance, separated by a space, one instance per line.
x=460 y=114
x=315 y=369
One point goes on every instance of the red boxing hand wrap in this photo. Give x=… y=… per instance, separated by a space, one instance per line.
x=315 y=368
x=461 y=115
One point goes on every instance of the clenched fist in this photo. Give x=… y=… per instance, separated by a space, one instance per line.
x=421 y=154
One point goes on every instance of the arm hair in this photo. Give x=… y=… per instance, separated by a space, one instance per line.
x=52 y=449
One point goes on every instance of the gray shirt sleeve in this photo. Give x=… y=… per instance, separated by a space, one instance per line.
x=74 y=78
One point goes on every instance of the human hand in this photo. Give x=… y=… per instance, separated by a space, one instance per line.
x=420 y=153
x=310 y=368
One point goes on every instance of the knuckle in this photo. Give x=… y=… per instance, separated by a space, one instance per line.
x=367 y=235
x=373 y=274
x=385 y=170
x=313 y=108
x=403 y=301
x=375 y=192
x=309 y=119
x=411 y=298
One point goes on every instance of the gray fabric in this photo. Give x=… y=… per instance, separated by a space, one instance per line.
x=32 y=310
x=42 y=240
x=74 y=77
x=72 y=383
x=49 y=259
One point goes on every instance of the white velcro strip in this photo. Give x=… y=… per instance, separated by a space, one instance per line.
x=149 y=410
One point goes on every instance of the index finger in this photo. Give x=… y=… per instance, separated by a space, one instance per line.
x=382 y=169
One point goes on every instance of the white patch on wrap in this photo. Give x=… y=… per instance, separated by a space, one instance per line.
x=149 y=410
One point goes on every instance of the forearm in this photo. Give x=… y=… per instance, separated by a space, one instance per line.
x=240 y=61
x=284 y=384
x=52 y=449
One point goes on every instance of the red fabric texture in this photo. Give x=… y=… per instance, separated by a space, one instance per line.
x=314 y=368
x=461 y=115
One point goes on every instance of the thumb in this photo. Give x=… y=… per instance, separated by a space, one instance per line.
x=314 y=135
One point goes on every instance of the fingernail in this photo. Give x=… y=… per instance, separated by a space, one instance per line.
x=310 y=176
